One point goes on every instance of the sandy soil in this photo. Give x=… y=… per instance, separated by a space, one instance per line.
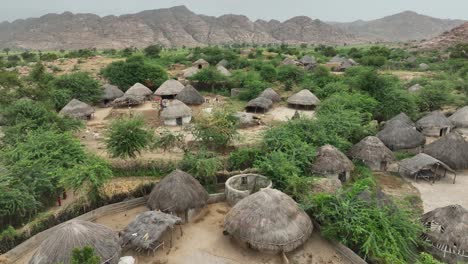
x=407 y=75
x=282 y=113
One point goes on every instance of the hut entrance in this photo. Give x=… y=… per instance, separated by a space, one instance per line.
x=255 y=110
x=443 y=131
x=342 y=176
x=179 y=121
x=383 y=165
x=200 y=66
x=168 y=97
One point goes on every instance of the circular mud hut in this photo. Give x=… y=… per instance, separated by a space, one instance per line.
x=169 y=89
x=447 y=232
x=58 y=247
x=307 y=60
x=259 y=105
x=190 y=96
x=139 y=90
x=452 y=149
x=373 y=152
x=304 y=99
x=332 y=163
x=110 y=93
x=77 y=109
x=434 y=124
x=128 y=100
x=240 y=186
x=400 y=136
x=200 y=64
x=460 y=118
x=223 y=71
x=271 y=94
x=178 y=193
x=176 y=113
x=269 y=221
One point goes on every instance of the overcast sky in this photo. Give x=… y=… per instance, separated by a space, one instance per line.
x=327 y=10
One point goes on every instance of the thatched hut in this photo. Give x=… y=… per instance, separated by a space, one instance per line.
x=307 y=60
x=169 y=89
x=270 y=221
x=289 y=61
x=434 y=124
x=339 y=63
x=423 y=166
x=400 y=136
x=332 y=163
x=178 y=193
x=58 y=247
x=200 y=64
x=223 y=70
x=139 y=90
x=110 y=93
x=452 y=149
x=190 y=96
x=271 y=94
x=176 y=113
x=128 y=100
x=147 y=231
x=373 y=153
x=246 y=120
x=189 y=72
x=460 y=118
x=415 y=88
x=259 y=105
x=304 y=99
x=447 y=231
x=401 y=117
x=77 y=109
x=223 y=63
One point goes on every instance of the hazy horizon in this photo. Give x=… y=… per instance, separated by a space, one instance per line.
x=331 y=10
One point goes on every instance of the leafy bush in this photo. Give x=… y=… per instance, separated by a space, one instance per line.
x=425 y=258
x=126 y=138
x=85 y=255
x=203 y=165
x=290 y=73
x=168 y=140
x=330 y=89
x=268 y=72
x=375 y=61
x=209 y=78
x=251 y=82
x=215 y=130
x=81 y=53
x=78 y=85
x=243 y=158
x=434 y=96
x=153 y=51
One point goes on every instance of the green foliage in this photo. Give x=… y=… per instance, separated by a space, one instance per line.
x=375 y=61
x=251 y=82
x=290 y=73
x=243 y=158
x=216 y=130
x=327 y=51
x=28 y=56
x=213 y=55
x=81 y=53
x=279 y=167
x=330 y=89
x=168 y=140
x=434 y=96
x=459 y=51
x=39 y=74
x=268 y=72
x=48 y=56
x=425 y=258
x=322 y=76
x=85 y=255
x=126 y=138
x=153 y=51
x=202 y=164
x=78 y=85
x=394 y=102
x=209 y=77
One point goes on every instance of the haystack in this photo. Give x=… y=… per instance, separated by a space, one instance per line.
x=178 y=193
x=259 y=105
x=460 y=118
x=434 y=124
x=423 y=165
x=452 y=149
x=147 y=231
x=271 y=94
x=139 y=90
x=58 y=247
x=200 y=64
x=169 y=89
x=303 y=99
x=447 y=231
x=176 y=113
x=110 y=93
x=223 y=70
x=128 y=100
x=373 y=153
x=400 y=136
x=77 y=109
x=332 y=163
x=270 y=221
x=190 y=96
x=400 y=117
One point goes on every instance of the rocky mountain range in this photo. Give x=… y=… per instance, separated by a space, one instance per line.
x=178 y=26
x=448 y=38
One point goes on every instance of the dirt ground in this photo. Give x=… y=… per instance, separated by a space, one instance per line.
x=407 y=75
x=283 y=113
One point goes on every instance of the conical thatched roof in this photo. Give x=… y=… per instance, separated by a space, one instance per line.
x=371 y=149
x=176 y=109
x=223 y=63
x=304 y=97
x=189 y=95
x=307 y=60
x=460 y=118
x=269 y=220
x=146 y=231
x=419 y=162
x=401 y=117
x=177 y=193
x=223 y=70
x=139 y=89
x=77 y=109
x=201 y=62
x=189 y=72
x=259 y=103
x=447 y=231
x=271 y=94
x=398 y=135
x=434 y=119
x=128 y=100
x=111 y=92
x=289 y=61
x=58 y=247
x=330 y=160
x=169 y=87
x=415 y=88
x=452 y=149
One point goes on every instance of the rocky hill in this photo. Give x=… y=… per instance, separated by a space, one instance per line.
x=448 y=38
x=404 y=26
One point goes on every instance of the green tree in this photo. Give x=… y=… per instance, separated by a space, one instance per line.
x=6 y=50
x=153 y=51
x=126 y=138
x=85 y=255
x=216 y=130
x=268 y=72
x=290 y=73
x=202 y=164
x=28 y=56
x=209 y=77
x=78 y=85
x=434 y=96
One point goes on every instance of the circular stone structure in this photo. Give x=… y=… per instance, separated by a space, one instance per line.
x=240 y=186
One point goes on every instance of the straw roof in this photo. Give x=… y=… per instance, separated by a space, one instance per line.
x=260 y=102
x=401 y=117
x=307 y=60
x=77 y=109
x=177 y=193
x=415 y=88
x=460 y=118
x=398 y=135
x=138 y=89
x=128 y=100
x=146 y=231
x=223 y=63
x=189 y=95
x=289 y=61
x=371 y=149
x=271 y=94
x=452 y=149
x=111 y=92
x=169 y=87
x=269 y=220
x=246 y=119
x=176 y=109
x=330 y=160
x=58 y=246
x=434 y=119
x=189 y=72
x=420 y=162
x=201 y=62
x=304 y=97
x=223 y=70
x=447 y=231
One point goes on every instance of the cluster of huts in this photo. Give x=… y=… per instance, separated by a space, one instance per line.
x=337 y=63
x=303 y=99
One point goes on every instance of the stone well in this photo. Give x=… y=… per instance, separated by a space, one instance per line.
x=243 y=185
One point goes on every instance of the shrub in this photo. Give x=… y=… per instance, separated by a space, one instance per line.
x=375 y=61
x=243 y=158
x=330 y=89
x=78 y=85
x=126 y=138
x=85 y=255
x=434 y=96
x=203 y=165
x=153 y=51
x=209 y=77
x=48 y=56
x=290 y=73
x=268 y=72
x=216 y=130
